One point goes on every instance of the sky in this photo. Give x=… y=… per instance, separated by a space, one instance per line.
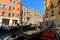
x=35 y=4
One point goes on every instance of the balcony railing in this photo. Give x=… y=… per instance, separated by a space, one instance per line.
x=52 y=15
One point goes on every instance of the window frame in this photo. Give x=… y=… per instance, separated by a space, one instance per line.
x=11 y=1
x=46 y=15
x=9 y=15
x=0 y=4
x=3 y=14
x=14 y=2
x=18 y=9
x=4 y=6
x=13 y=8
x=10 y=7
x=12 y=14
x=52 y=13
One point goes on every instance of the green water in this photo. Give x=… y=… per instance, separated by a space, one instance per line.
x=6 y=33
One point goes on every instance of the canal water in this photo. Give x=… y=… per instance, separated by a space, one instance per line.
x=5 y=34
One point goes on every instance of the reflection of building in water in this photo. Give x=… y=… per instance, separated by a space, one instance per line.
x=9 y=12
x=31 y=16
x=52 y=13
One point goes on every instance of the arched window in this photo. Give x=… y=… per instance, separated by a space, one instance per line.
x=52 y=13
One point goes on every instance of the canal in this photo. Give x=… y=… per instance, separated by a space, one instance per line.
x=5 y=34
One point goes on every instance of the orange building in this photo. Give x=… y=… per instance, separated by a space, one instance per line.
x=9 y=12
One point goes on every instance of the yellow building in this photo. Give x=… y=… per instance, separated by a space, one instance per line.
x=52 y=12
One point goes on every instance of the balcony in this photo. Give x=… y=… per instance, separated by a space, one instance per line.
x=52 y=15
x=52 y=18
x=46 y=19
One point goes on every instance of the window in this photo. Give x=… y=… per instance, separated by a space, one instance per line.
x=13 y=15
x=0 y=5
x=24 y=18
x=10 y=7
x=13 y=8
x=9 y=14
x=17 y=15
x=52 y=5
x=4 y=6
x=46 y=15
x=37 y=15
x=26 y=22
x=46 y=1
x=10 y=1
x=40 y=16
x=3 y=14
x=59 y=10
x=18 y=4
x=24 y=13
x=18 y=9
x=52 y=13
x=14 y=2
x=21 y=14
x=29 y=13
x=27 y=18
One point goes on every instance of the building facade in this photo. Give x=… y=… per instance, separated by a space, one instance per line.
x=31 y=16
x=36 y=17
x=9 y=12
x=52 y=13
x=25 y=15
